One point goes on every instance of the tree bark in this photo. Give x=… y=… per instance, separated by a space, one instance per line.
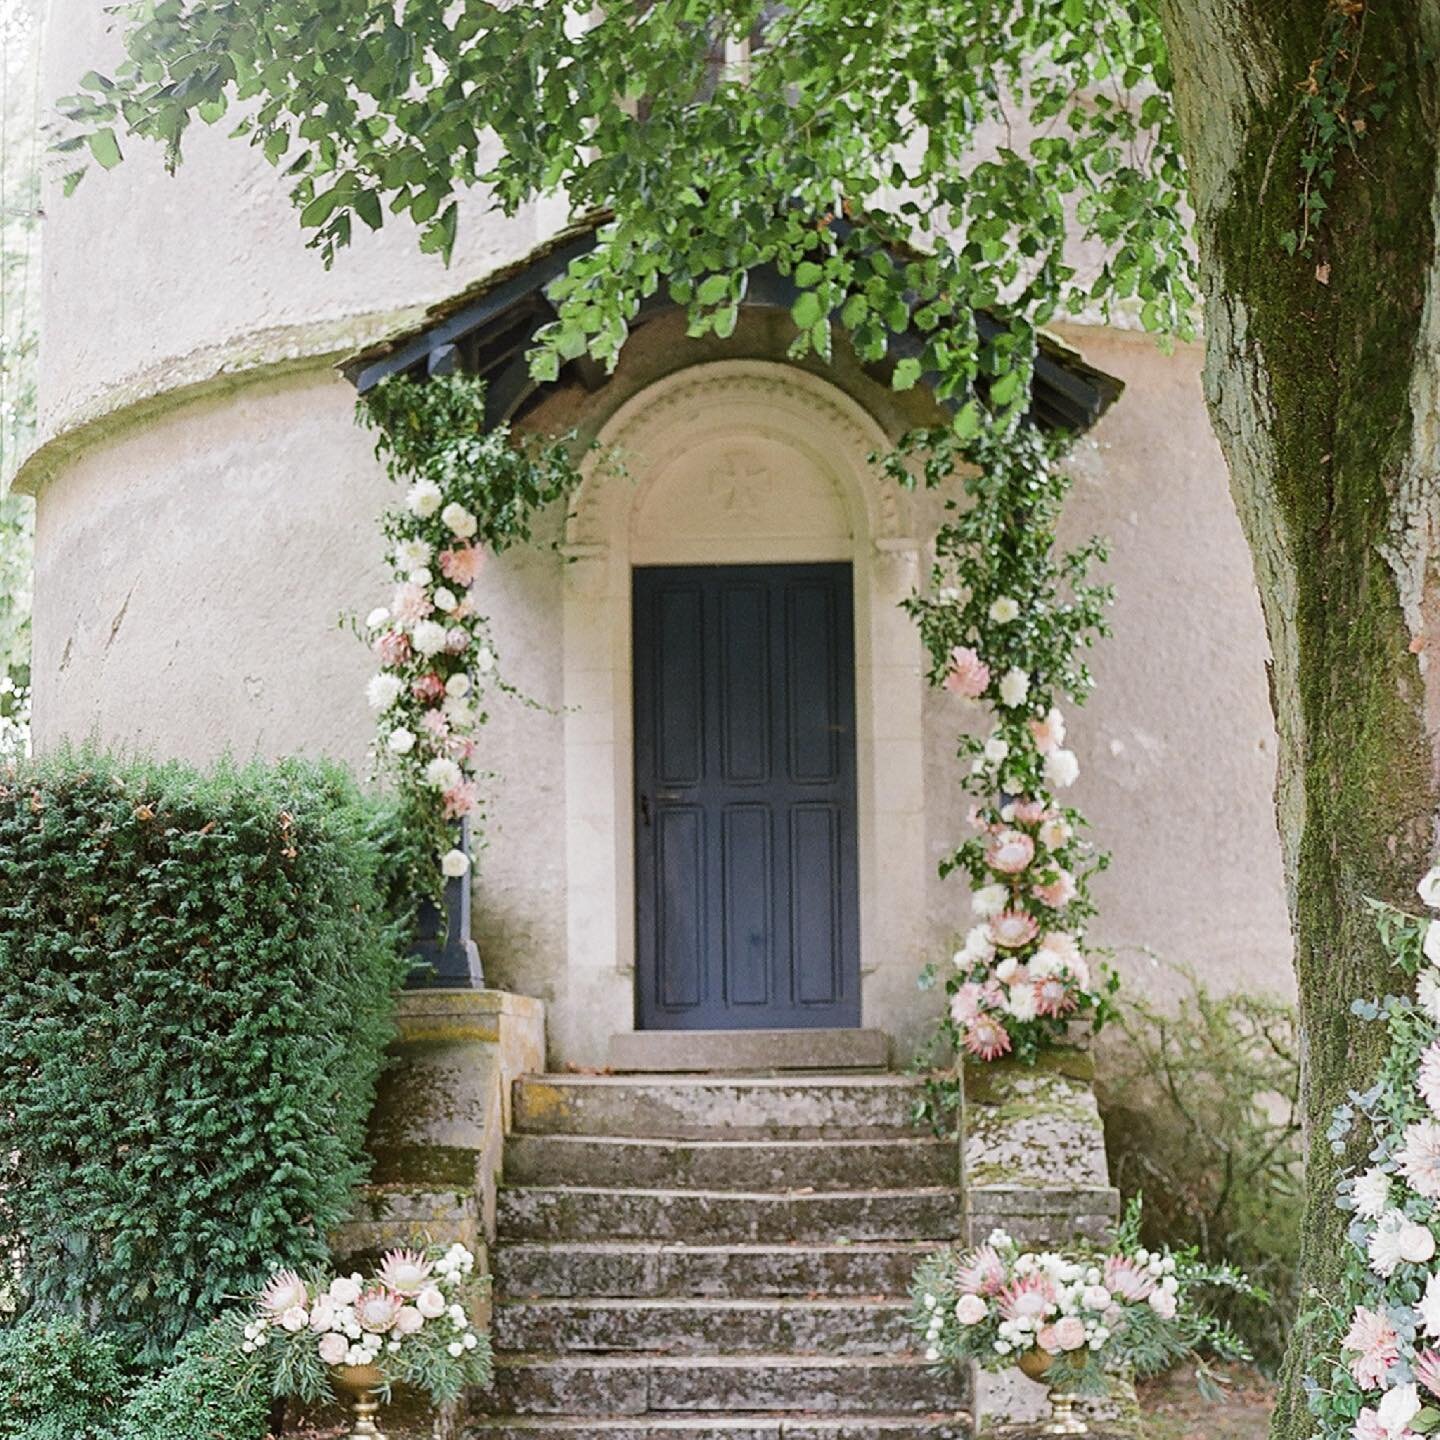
x=1323 y=381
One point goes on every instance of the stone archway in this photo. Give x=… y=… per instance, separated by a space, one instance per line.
x=732 y=462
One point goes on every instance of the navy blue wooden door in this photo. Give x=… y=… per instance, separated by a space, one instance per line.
x=746 y=894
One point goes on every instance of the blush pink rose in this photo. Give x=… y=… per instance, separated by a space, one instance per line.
x=1059 y=892
x=393 y=648
x=1070 y=1332
x=1049 y=733
x=460 y=800
x=429 y=689
x=1010 y=852
x=968 y=674
x=1012 y=929
x=1030 y=812
x=1047 y=1340
x=462 y=564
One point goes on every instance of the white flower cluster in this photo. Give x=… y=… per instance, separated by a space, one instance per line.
x=358 y=1322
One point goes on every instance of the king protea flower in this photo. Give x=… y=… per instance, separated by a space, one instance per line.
x=986 y=1038
x=1427 y=1370
x=1126 y=1280
x=980 y=1271
x=1013 y=928
x=376 y=1310
x=1030 y=1296
x=283 y=1291
x=1053 y=996
x=404 y=1271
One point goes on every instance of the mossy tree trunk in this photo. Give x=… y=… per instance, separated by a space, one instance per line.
x=1323 y=380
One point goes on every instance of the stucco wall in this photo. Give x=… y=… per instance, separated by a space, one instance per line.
x=195 y=554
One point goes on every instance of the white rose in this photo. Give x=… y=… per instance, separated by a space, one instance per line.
x=970 y=1310
x=1427 y=992
x=1007 y=969
x=322 y=1314
x=485 y=660
x=430 y=1303
x=1020 y=1001
x=401 y=742
x=997 y=750
x=376 y=618
x=344 y=1291
x=458 y=685
x=383 y=691
x=454 y=863
x=295 y=1319
x=1432 y=942
x=1163 y=1303
x=442 y=773
x=445 y=600
x=1061 y=768
x=460 y=713
x=989 y=900
x=1416 y=1244
x=420 y=576
x=423 y=498
x=1397 y=1408
x=409 y=1320
x=1014 y=687
x=429 y=637
x=459 y=521
x=1429 y=887
x=469 y=1341
x=1003 y=610
x=333 y=1349
x=1055 y=833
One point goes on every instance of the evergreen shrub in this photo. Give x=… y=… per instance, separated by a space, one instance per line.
x=57 y=1381
x=196 y=981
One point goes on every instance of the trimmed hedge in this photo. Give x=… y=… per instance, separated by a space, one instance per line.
x=202 y=1396
x=196 y=982
x=57 y=1382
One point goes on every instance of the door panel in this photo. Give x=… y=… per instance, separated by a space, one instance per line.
x=747 y=913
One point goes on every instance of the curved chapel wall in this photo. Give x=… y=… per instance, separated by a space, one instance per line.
x=193 y=564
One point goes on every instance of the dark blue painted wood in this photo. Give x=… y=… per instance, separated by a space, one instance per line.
x=747 y=909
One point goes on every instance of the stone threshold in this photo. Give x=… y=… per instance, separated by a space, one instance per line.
x=698 y=1052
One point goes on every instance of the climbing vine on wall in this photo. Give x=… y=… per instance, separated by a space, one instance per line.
x=1005 y=620
x=469 y=492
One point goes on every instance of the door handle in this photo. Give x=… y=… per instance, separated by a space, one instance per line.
x=645 y=811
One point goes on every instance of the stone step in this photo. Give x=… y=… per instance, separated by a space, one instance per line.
x=621 y=1268
x=589 y=1214
x=635 y=1385
x=752 y=1107
x=940 y=1426
x=871 y=1326
x=629 y=1161
x=679 y=1051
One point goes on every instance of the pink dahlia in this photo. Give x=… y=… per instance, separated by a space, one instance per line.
x=461 y=800
x=1010 y=852
x=965 y=1003
x=980 y=1271
x=1375 y=1346
x=1427 y=1082
x=1059 y=892
x=1427 y=1370
x=968 y=674
x=1127 y=1280
x=986 y=1038
x=393 y=648
x=429 y=689
x=1420 y=1158
x=1013 y=928
x=1054 y=997
x=462 y=564
x=411 y=603
x=1030 y=1297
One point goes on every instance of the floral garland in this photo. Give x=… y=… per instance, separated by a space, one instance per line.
x=1083 y=1315
x=469 y=492
x=1003 y=621
x=1379 y=1375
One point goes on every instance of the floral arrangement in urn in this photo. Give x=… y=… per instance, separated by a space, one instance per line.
x=1376 y=1372
x=408 y=1324
x=1070 y=1320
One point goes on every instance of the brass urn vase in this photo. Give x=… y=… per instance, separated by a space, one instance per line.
x=363 y=1385
x=1036 y=1365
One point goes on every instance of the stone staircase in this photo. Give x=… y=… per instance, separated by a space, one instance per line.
x=717 y=1257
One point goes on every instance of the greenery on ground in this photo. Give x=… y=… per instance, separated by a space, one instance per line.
x=1202 y=1117
x=199 y=979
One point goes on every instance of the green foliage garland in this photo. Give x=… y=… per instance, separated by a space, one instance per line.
x=199 y=979
x=470 y=492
